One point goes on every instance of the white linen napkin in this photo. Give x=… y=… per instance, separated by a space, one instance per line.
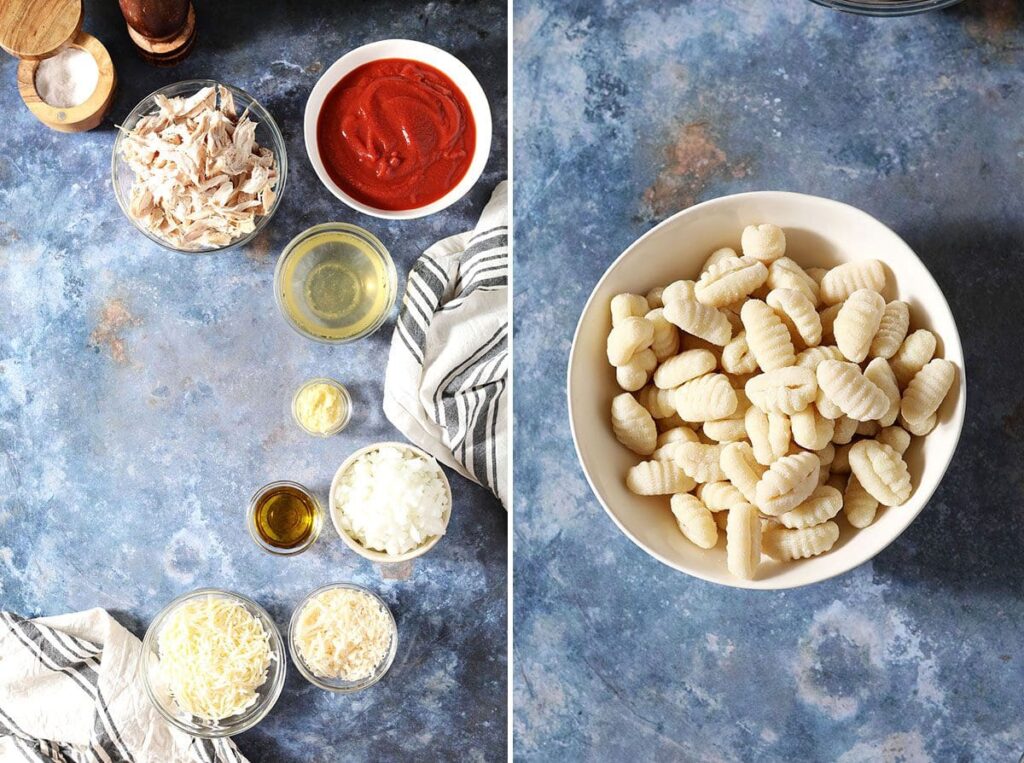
x=69 y=693
x=447 y=376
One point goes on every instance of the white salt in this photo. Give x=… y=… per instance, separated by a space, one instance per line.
x=68 y=78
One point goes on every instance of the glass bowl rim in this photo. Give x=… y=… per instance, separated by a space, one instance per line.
x=375 y=243
x=891 y=8
x=276 y=144
x=356 y=686
x=277 y=680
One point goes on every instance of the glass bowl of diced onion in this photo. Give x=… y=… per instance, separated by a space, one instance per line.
x=159 y=692
x=341 y=685
x=268 y=135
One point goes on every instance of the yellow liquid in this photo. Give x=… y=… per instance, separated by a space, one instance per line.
x=336 y=285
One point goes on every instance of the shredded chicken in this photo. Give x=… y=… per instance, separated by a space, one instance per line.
x=201 y=180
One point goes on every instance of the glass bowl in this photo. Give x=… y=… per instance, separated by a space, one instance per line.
x=345 y=396
x=251 y=522
x=338 y=684
x=164 y=703
x=267 y=134
x=314 y=245
x=886 y=7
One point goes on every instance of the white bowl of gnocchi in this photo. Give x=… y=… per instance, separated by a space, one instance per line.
x=766 y=389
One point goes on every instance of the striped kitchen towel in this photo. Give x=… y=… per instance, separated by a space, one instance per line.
x=447 y=377
x=69 y=693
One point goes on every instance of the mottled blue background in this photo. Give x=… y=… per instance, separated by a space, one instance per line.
x=144 y=394
x=628 y=111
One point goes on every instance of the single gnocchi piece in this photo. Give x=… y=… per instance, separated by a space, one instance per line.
x=811 y=430
x=769 y=434
x=705 y=398
x=919 y=428
x=812 y=357
x=843 y=280
x=786 y=545
x=736 y=356
x=879 y=372
x=725 y=253
x=783 y=390
x=720 y=496
x=700 y=461
x=765 y=242
x=730 y=280
x=828 y=322
x=628 y=338
x=670 y=440
x=857 y=323
x=743 y=541
x=882 y=471
x=917 y=349
x=859 y=506
x=654 y=299
x=927 y=390
x=677 y=290
x=684 y=367
x=698 y=319
x=767 y=336
x=694 y=520
x=628 y=306
x=895 y=437
x=731 y=429
x=786 y=274
x=633 y=425
x=666 y=336
x=845 y=429
x=798 y=314
x=823 y=504
x=787 y=483
x=857 y=396
x=660 y=402
x=634 y=375
x=892 y=330
x=658 y=478
x=742 y=469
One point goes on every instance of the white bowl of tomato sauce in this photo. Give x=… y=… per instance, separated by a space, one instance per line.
x=398 y=129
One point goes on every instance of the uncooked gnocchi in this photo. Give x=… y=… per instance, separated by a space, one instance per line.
x=768 y=399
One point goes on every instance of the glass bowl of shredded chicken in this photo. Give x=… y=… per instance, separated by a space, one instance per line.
x=343 y=638
x=213 y=663
x=199 y=166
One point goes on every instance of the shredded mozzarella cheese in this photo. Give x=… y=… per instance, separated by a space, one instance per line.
x=343 y=633
x=214 y=656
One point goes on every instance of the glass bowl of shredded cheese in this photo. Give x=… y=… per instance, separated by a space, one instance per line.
x=213 y=663
x=342 y=638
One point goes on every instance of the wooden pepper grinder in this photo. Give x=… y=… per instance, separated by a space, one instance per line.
x=162 y=30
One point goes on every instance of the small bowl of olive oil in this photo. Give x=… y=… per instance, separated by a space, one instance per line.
x=335 y=283
x=284 y=518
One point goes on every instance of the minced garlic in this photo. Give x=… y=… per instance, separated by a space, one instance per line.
x=320 y=407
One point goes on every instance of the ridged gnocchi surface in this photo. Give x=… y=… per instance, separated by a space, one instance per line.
x=767 y=398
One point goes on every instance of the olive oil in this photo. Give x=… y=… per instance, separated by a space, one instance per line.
x=336 y=282
x=284 y=517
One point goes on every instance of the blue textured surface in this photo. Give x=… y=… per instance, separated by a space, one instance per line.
x=626 y=112
x=144 y=394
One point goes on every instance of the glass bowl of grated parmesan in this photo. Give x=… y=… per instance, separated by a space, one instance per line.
x=213 y=663
x=342 y=638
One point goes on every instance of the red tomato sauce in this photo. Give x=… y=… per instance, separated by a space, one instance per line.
x=396 y=134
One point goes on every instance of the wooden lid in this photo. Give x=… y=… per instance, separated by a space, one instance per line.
x=35 y=29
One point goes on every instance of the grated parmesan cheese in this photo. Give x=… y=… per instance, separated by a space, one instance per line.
x=343 y=633
x=214 y=655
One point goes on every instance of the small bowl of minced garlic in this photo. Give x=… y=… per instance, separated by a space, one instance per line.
x=322 y=407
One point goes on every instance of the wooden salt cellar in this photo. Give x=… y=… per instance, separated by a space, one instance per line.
x=33 y=30
x=163 y=31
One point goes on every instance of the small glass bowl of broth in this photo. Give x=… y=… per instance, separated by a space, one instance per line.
x=284 y=518
x=335 y=283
